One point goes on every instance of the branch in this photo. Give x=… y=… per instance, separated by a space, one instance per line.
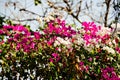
x=25 y=20
x=79 y=8
x=91 y=17
x=69 y=10
x=23 y=9
x=107 y=11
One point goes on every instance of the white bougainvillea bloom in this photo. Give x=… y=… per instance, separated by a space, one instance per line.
x=103 y=31
x=108 y=49
x=77 y=39
x=63 y=41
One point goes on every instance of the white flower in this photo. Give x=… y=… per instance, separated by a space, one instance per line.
x=62 y=41
x=114 y=42
x=103 y=31
x=56 y=43
x=78 y=40
x=97 y=45
x=110 y=50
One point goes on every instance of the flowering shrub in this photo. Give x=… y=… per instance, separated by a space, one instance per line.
x=59 y=52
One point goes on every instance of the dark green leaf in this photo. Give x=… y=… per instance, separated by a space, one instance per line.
x=36 y=2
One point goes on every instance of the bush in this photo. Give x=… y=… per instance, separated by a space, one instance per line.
x=59 y=52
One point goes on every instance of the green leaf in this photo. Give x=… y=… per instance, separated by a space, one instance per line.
x=50 y=77
x=36 y=2
x=119 y=44
x=51 y=64
x=1 y=21
x=8 y=22
x=98 y=70
x=56 y=74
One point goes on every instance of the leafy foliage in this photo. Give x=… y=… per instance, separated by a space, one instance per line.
x=59 y=52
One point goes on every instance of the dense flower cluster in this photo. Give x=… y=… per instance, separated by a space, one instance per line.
x=59 y=52
x=109 y=74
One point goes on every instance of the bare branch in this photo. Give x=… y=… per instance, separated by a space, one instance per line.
x=23 y=9
x=25 y=20
x=69 y=10
x=91 y=17
x=79 y=8
x=107 y=11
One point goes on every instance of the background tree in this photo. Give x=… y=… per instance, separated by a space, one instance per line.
x=100 y=11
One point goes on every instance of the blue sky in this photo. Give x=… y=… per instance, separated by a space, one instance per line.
x=29 y=5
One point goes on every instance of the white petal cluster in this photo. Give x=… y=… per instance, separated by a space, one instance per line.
x=110 y=50
x=63 y=41
x=103 y=31
x=52 y=14
x=78 y=39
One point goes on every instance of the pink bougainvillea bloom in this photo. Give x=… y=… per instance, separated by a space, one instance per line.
x=2 y=42
x=24 y=40
x=16 y=37
x=51 y=60
x=117 y=49
x=1 y=32
x=109 y=74
x=90 y=32
x=27 y=34
x=90 y=59
x=59 y=29
x=37 y=35
x=51 y=40
x=0 y=50
x=56 y=56
x=7 y=27
x=116 y=40
x=49 y=43
x=81 y=63
x=10 y=39
x=105 y=37
x=18 y=46
x=86 y=68
x=26 y=48
x=20 y=28
x=32 y=45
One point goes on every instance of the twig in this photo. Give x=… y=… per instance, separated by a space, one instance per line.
x=25 y=20
x=70 y=11
x=79 y=8
x=23 y=9
x=107 y=11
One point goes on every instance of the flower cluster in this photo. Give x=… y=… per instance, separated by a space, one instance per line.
x=59 y=52
x=109 y=74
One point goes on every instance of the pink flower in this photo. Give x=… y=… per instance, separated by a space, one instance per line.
x=117 y=49
x=90 y=32
x=109 y=74
x=0 y=50
x=7 y=27
x=18 y=46
x=32 y=45
x=27 y=34
x=81 y=63
x=10 y=39
x=56 y=57
x=16 y=37
x=86 y=68
x=51 y=40
x=37 y=35
x=20 y=28
x=59 y=29
x=90 y=59
x=51 y=60
x=1 y=32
